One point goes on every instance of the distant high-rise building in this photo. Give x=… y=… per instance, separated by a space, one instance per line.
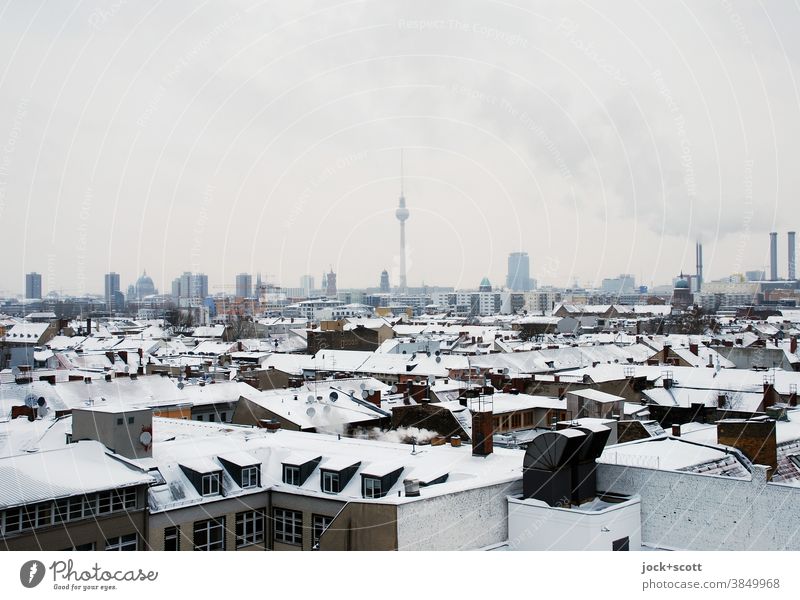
x=244 y=285
x=111 y=289
x=307 y=284
x=773 y=256
x=190 y=288
x=624 y=284
x=33 y=285
x=485 y=285
x=385 y=287
x=755 y=275
x=330 y=287
x=518 y=278
x=792 y=275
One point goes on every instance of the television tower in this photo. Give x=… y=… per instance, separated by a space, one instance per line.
x=402 y=215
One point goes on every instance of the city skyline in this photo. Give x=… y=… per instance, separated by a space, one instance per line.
x=140 y=162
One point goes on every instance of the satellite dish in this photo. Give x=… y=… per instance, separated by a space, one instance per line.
x=334 y=396
x=431 y=379
x=437 y=353
x=505 y=371
x=180 y=385
x=438 y=359
x=146 y=438
x=310 y=411
x=41 y=401
x=363 y=385
x=364 y=394
x=31 y=401
x=394 y=389
x=310 y=398
x=327 y=409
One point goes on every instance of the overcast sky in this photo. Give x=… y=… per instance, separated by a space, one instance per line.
x=599 y=137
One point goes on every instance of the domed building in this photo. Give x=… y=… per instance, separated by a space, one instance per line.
x=682 y=293
x=144 y=286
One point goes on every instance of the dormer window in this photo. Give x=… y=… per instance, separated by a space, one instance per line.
x=298 y=466
x=335 y=474
x=210 y=484
x=330 y=482
x=372 y=487
x=291 y=475
x=250 y=477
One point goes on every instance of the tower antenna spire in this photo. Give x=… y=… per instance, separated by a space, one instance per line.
x=402 y=173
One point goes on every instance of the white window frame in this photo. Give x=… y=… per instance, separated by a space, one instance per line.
x=128 y=542
x=207 y=527
x=287 y=526
x=213 y=484
x=329 y=478
x=249 y=528
x=372 y=487
x=250 y=476
x=291 y=474
x=320 y=524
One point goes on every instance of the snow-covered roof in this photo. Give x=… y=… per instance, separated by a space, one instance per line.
x=80 y=468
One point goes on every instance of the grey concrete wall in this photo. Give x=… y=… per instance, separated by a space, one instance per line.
x=703 y=512
x=459 y=521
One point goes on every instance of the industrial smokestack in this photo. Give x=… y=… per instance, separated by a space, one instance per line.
x=792 y=264
x=699 y=255
x=773 y=256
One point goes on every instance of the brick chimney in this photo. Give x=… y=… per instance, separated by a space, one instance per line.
x=793 y=344
x=482 y=427
x=693 y=349
x=676 y=430
x=755 y=438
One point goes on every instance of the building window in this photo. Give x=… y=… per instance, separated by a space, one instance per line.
x=119 y=421
x=622 y=544
x=199 y=417
x=123 y=542
x=13 y=520
x=124 y=499
x=130 y=420
x=211 y=417
x=223 y=417
x=81 y=548
x=104 y=504
x=291 y=475
x=211 y=484
x=372 y=488
x=172 y=538
x=209 y=535
x=321 y=523
x=250 y=477
x=249 y=528
x=288 y=526
x=330 y=482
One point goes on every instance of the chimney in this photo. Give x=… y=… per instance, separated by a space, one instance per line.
x=755 y=438
x=693 y=348
x=411 y=487
x=455 y=441
x=770 y=396
x=676 y=430
x=271 y=425
x=793 y=344
x=773 y=256
x=88 y=325
x=482 y=429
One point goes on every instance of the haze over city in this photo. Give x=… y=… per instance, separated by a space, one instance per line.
x=600 y=139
